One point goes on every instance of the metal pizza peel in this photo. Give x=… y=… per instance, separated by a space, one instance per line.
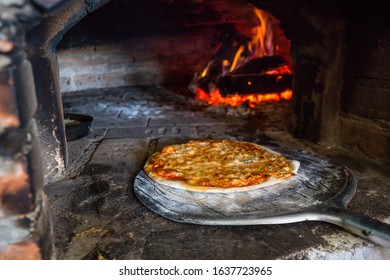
x=320 y=191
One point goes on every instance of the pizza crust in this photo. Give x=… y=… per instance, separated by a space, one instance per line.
x=294 y=166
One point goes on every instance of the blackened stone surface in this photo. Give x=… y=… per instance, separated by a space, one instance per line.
x=97 y=216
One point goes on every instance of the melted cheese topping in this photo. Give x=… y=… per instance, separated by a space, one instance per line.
x=218 y=163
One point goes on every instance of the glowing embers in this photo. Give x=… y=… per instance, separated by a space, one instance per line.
x=248 y=69
x=215 y=98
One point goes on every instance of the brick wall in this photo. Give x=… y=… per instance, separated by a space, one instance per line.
x=24 y=218
x=366 y=98
x=152 y=42
x=146 y=61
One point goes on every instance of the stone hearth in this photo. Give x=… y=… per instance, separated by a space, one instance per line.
x=97 y=216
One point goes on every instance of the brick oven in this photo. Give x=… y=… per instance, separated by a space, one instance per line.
x=134 y=66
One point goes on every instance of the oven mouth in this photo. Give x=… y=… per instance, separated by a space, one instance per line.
x=338 y=109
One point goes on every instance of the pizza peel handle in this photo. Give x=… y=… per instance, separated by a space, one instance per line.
x=361 y=225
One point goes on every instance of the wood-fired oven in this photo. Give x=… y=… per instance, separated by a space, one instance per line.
x=152 y=73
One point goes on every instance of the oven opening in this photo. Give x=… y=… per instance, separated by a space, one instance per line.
x=102 y=85
x=228 y=61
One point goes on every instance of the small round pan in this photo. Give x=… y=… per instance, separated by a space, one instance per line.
x=77 y=126
x=320 y=191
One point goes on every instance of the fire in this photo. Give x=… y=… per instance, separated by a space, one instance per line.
x=284 y=69
x=260 y=45
x=234 y=100
x=262 y=41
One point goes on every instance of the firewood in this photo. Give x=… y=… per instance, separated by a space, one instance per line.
x=249 y=84
x=260 y=65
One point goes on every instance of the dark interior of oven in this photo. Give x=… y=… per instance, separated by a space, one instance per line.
x=130 y=64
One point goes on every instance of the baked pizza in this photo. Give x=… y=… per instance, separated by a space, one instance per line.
x=202 y=165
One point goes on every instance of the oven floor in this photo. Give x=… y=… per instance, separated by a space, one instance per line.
x=96 y=215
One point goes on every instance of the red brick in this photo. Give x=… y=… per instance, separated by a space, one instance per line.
x=8 y=112
x=159 y=45
x=27 y=250
x=134 y=45
x=185 y=44
x=5 y=46
x=15 y=192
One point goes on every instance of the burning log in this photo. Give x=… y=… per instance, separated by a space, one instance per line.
x=248 y=84
x=260 y=65
x=262 y=74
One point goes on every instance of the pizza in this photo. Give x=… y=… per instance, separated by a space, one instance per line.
x=204 y=165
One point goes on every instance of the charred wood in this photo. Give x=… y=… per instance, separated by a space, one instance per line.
x=260 y=65
x=248 y=84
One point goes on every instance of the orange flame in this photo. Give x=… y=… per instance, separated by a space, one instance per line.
x=215 y=97
x=262 y=41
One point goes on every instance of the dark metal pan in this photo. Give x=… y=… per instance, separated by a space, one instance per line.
x=77 y=126
x=320 y=191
